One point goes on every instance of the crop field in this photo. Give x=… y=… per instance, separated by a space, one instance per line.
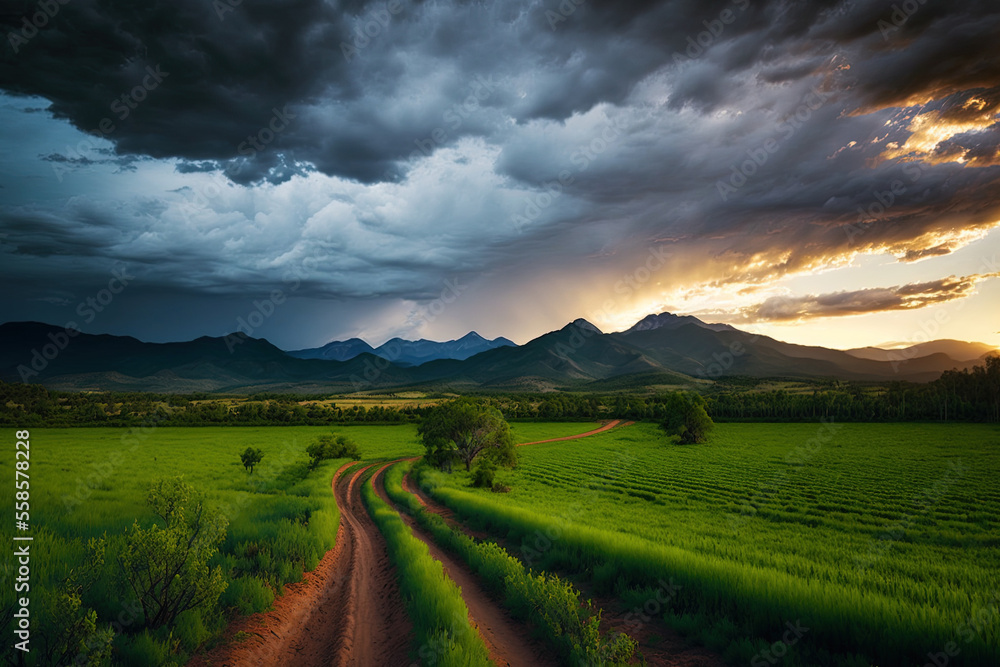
x=883 y=539
x=535 y=431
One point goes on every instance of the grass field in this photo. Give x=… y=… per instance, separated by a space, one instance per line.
x=87 y=483
x=881 y=538
x=535 y=431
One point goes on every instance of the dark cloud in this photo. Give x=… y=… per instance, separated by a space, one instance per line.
x=509 y=141
x=224 y=75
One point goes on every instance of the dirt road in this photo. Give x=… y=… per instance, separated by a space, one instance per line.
x=346 y=613
x=659 y=645
x=607 y=427
x=506 y=640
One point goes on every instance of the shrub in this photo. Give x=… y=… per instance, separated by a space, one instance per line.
x=332 y=447
x=484 y=475
x=142 y=650
x=167 y=567
x=251 y=457
x=190 y=630
x=248 y=595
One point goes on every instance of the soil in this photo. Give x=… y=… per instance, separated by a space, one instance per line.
x=508 y=641
x=346 y=612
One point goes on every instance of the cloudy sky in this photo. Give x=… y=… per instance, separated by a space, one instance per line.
x=824 y=172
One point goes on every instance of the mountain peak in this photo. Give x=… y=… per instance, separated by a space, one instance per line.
x=670 y=321
x=581 y=323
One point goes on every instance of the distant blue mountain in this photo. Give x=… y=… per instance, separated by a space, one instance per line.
x=406 y=352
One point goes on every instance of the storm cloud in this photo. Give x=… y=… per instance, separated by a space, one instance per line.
x=376 y=150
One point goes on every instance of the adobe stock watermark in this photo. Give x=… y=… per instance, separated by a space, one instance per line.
x=443 y=642
x=795 y=458
x=264 y=309
x=779 y=649
x=370 y=27
x=373 y=369
x=930 y=327
x=455 y=116
x=699 y=44
x=204 y=194
x=882 y=202
x=760 y=155
x=925 y=501
x=980 y=620
x=562 y=12
x=724 y=361
x=901 y=13
x=31 y=24
x=278 y=123
x=654 y=606
x=121 y=107
x=535 y=546
x=88 y=309
x=581 y=158
x=102 y=471
x=630 y=283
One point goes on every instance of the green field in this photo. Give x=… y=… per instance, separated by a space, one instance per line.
x=91 y=482
x=535 y=431
x=881 y=538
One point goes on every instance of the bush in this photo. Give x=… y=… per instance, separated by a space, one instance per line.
x=142 y=650
x=250 y=457
x=484 y=475
x=332 y=447
x=190 y=630
x=167 y=567
x=248 y=595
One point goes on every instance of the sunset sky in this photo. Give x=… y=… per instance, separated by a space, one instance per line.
x=821 y=172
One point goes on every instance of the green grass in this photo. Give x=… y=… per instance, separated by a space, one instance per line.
x=535 y=431
x=544 y=600
x=86 y=483
x=440 y=618
x=882 y=538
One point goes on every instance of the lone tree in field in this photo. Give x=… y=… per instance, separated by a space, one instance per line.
x=687 y=418
x=251 y=457
x=465 y=430
x=167 y=565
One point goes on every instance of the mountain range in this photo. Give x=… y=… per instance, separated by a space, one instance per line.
x=660 y=350
x=405 y=352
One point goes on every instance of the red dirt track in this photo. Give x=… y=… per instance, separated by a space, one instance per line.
x=506 y=639
x=348 y=612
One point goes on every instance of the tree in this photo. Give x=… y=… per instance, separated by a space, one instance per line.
x=166 y=567
x=686 y=417
x=251 y=457
x=332 y=447
x=464 y=430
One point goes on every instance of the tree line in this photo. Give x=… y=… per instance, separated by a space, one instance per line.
x=968 y=395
